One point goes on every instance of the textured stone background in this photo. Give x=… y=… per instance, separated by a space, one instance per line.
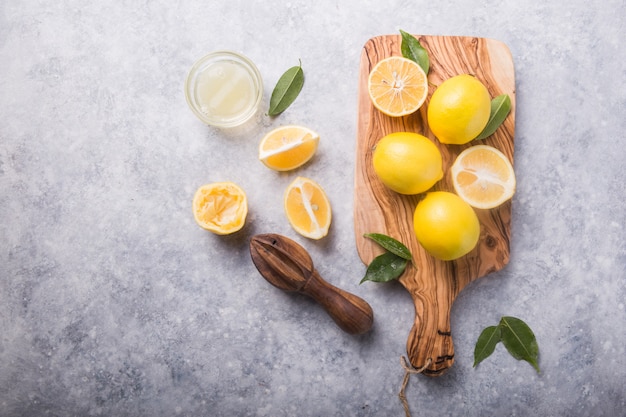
x=114 y=303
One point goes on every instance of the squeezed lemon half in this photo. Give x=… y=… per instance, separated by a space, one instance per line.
x=220 y=207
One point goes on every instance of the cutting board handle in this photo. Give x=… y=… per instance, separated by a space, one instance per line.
x=429 y=344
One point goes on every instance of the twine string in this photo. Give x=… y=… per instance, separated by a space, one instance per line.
x=408 y=370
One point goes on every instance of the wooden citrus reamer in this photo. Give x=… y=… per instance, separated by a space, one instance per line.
x=432 y=284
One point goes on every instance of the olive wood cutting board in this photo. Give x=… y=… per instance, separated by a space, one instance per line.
x=432 y=284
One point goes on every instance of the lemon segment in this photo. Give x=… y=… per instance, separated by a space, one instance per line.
x=459 y=109
x=288 y=147
x=407 y=163
x=397 y=86
x=307 y=208
x=220 y=207
x=483 y=176
x=445 y=225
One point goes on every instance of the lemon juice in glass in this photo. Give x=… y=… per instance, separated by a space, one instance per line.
x=224 y=89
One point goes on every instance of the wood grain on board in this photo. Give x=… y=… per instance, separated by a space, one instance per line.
x=432 y=284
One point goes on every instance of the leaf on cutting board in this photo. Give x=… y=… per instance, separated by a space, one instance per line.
x=391 y=244
x=412 y=49
x=385 y=268
x=500 y=108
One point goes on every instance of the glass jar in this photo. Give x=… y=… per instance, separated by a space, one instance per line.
x=224 y=89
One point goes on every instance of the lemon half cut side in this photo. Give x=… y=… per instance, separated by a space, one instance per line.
x=397 y=86
x=483 y=176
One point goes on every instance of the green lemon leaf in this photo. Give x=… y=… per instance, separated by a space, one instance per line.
x=412 y=49
x=500 y=108
x=486 y=344
x=519 y=340
x=391 y=244
x=287 y=89
x=385 y=268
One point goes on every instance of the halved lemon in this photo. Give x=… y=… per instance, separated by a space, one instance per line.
x=220 y=207
x=483 y=176
x=307 y=208
x=397 y=86
x=288 y=147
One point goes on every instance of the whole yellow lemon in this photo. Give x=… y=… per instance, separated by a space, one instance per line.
x=445 y=225
x=407 y=163
x=459 y=109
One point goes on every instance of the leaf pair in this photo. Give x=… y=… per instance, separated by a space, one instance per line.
x=391 y=264
x=287 y=89
x=515 y=335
